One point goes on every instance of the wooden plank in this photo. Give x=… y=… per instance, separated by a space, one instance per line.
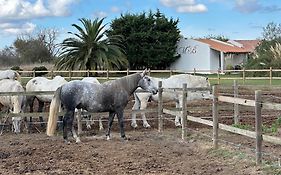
x=167 y=111
x=240 y=101
x=200 y=120
x=274 y=106
x=27 y=93
x=235 y=130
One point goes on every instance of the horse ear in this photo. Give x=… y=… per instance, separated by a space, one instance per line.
x=144 y=72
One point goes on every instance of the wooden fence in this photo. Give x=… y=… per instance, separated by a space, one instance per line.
x=257 y=104
x=113 y=74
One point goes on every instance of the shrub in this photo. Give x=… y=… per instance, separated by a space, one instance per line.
x=40 y=68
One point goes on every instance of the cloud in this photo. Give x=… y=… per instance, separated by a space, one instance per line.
x=115 y=9
x=251 y=6
x=16 y=15
x=100 y=14
x=24 y=9
x=17 y=28
x=185 y=6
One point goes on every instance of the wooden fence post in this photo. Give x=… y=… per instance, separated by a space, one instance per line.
x=194 y=71
x=107 y=74
x=88 y=73
x=52 y=74
x=69 y=75
x=171 y=72
x=236 y=106
x=258 y=126
x=218 y=76
x=34 y=73
x=244 y=75
x=270 y=76
x=128 y=71
x=184 y=112
x=215 y=117
x=160 y=107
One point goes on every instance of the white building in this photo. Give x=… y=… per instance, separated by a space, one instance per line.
x=211 y=54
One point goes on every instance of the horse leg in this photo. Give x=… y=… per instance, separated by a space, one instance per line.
x=110 y=121
x=60 y=120
x=177 y=119
x=121 y=124
x=16 y=124
x=144 y=106
x=76 y=137
x=30 y=102
x=79 y=121
x=40 y=109
x=136 y=106
x=89 y=121
x=67 y=123
x=100 y=123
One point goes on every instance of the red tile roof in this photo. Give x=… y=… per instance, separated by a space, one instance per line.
x=248 y=45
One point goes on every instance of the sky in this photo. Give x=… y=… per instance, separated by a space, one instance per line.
x=234 y=19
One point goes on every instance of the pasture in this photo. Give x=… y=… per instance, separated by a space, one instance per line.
x=147 y=151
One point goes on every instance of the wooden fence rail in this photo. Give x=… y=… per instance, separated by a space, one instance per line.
x=113 y=74
x=257 y=103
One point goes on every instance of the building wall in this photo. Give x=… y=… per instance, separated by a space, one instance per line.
x=214 y=60
x=194 y=54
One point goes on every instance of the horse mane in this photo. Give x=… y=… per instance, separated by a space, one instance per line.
x=129 y=82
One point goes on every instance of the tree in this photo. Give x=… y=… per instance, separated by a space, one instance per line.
x=217 y=37
x=8 y=57
x=267 y=54
x=38 y=47
x=272 y=31
x=89 y=49
x=150 y=39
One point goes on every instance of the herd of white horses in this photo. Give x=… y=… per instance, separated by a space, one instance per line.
x=10 y=82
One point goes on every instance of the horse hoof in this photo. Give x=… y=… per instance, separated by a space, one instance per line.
x=147 y=126
x=108 y=138
x=134 y=125
x=67 y=142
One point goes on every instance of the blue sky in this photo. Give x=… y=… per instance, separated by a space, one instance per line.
x=235 y=19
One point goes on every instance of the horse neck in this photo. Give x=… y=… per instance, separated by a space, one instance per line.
x=130 y=82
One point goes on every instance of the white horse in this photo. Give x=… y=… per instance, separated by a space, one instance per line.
x=175 y=81
x=15 y=103
x=90 y=117
x=42 y=84
x=9 y=74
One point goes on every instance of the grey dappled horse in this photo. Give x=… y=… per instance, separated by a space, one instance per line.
x=111 y=96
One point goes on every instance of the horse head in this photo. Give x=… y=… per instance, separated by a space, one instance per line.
x=146 y=84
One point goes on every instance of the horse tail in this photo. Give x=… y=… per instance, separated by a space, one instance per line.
x=53 y=113
x=18 y=76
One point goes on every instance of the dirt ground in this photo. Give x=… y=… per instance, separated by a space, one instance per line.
x=146 y=152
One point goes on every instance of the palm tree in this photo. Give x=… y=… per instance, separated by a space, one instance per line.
x=90 y=49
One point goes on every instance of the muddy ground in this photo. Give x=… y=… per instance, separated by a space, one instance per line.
x=146 y=152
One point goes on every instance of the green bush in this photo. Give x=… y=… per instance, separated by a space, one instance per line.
x=16 y=68
x=40 y=68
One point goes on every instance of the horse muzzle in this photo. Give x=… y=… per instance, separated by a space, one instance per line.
x=154 y=92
